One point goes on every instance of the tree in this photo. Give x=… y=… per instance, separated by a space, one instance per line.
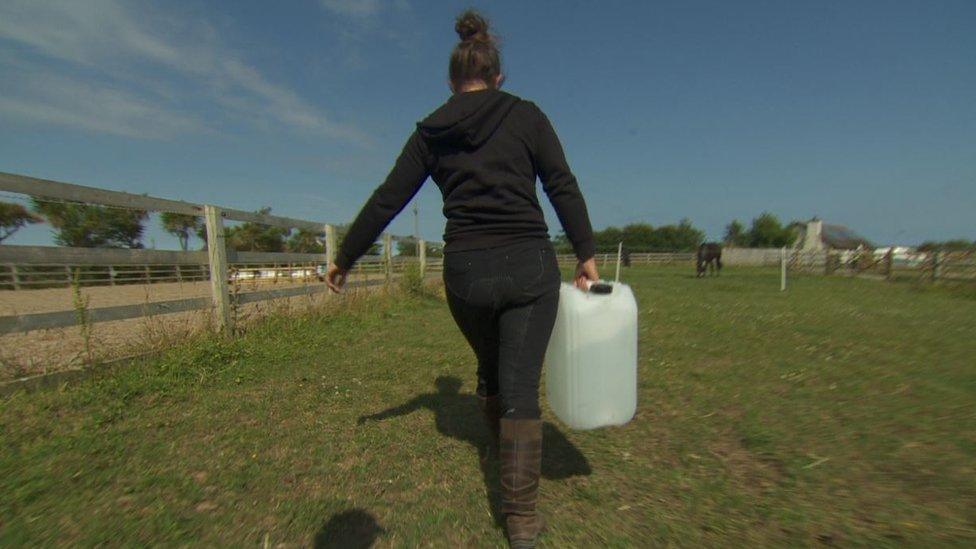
x=407 y=246
x=768 y=232
x=256 y=237
x=636 y=235
x=305 y=242
x=957 y=245
x=735 y=234
x=642 y=237
x=13 y=217
x=182 y=226
x=561 y=243
x=683 y=237
x=341 y=231
x=607 y=239
x=794 y=228
x=91 y=226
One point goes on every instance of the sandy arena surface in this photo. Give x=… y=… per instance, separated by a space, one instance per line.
x=60 y=299
x=39 y=351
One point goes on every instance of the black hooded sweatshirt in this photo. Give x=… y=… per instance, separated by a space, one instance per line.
x=484 y=150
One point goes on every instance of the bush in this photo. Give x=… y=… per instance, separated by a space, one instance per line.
x=411 y=282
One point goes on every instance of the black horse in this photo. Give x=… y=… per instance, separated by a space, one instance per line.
x=709 y=255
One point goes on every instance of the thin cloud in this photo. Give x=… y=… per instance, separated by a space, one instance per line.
x=357 y=23
x=353 y=8
x=104 y=39
x=283 y=105
x=363 y=9
x=66 y=102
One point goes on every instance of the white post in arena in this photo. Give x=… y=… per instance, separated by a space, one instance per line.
x=616 y=276
x=782 y=269
x=422 y=257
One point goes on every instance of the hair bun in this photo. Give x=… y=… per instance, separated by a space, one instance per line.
x=471 y=26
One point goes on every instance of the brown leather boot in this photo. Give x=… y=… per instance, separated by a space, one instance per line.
x=492 y=411
x=521 y=460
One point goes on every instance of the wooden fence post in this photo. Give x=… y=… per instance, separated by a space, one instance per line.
x=422 y=257
x=935 y=265
x=217 y=254
x=330 y=244
x=388 y=256
x=15 y=276
x=330 y=248
x=890 y=263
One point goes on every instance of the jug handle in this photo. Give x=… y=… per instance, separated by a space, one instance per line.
x=600 y=288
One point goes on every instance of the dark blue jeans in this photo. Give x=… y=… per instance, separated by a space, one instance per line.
x=504 y=300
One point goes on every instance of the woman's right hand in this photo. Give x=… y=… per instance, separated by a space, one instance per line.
x=585 y=271
x=335 y=277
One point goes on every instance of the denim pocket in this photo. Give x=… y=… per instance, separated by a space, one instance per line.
x=550 y=263
x=528 y=266
x=458 y=263
x=457 y=267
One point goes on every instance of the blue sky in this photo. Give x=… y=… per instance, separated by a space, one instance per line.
x=859 y=112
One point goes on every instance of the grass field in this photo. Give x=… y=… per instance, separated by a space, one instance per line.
x=840 y=412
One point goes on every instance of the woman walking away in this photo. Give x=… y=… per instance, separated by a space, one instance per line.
x=484 y=149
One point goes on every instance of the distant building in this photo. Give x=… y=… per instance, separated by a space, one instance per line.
x=899 y=251
x=817 y=235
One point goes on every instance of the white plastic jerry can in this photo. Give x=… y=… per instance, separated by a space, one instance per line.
x=591 y=361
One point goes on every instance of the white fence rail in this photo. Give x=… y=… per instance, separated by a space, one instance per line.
x=958 y=266
x=635 y=258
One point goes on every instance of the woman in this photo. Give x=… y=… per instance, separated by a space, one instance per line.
x=484 y=149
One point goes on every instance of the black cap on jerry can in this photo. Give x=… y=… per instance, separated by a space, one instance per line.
x=601 y=288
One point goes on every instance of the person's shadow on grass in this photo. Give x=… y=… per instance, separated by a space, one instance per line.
x=457 y=415
x=354 y=529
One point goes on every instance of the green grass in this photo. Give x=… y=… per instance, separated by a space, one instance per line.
x=842 y=411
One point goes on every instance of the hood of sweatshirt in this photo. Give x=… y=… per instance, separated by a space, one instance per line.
x=467 y=119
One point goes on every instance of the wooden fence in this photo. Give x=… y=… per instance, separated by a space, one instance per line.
x=31 y=267
x=35 y=267
x=27 y=267
x=610 y=259
x=952 y=266
x=922 y=266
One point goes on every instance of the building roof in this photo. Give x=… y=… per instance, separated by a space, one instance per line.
x=841 y=238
